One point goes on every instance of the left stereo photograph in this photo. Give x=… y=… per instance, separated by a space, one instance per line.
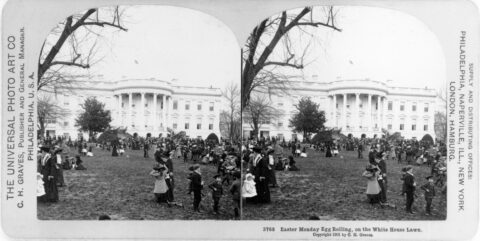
x=139 y=117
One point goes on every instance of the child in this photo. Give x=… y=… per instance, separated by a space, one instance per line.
x=40 y=186
x=404 y=172
x=217 y=191
x=190 y=180
x=78 y=163
x=160 y=189
x=248 y=187
x=429 y=189
x=197 y=186
x=235 y=190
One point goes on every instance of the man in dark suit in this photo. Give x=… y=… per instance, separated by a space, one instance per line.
x=382 y=180
x=197 y=186
x=409 y=182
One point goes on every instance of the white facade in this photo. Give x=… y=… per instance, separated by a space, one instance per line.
x=359 y=106
x=144 y=106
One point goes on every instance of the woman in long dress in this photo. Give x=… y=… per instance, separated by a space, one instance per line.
x=49 y=173
x=373 y=188
x=160 y=189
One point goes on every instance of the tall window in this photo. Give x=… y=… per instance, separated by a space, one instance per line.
x=402 y=106
x=211 y=106
x=175 y=126
x=210 y=124
x=187 y=126
x=414 y=107
x=199 y=126
x=390 y=105
x=401 y=127
x=187 y=105
x=389 y=126
x=425 y=127
x=175 y=104
x=414 y=127
x=425 y=108
x=199 y=106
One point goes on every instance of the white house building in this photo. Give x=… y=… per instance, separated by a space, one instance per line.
x=143 y=106
x=357 y=106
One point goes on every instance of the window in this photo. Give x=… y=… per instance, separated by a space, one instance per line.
x=280 y=104
x=401 y=127
x=280 y=124
x=425 y=127
x=425 y=108
x=210 y=126
x=414 y=107
x=51 y=121
x=122 y=104
x=390 y=105
x=414 y=127
x=187 y=126
x=376 y=106
x=402 y=106
x=199 y=126
x=187 y=105
x=199 y=106
x=175 y=104
x=348 y=106
x=146 y=104
x=211 y=106
x=361 y=106
x=65 y=123
x=175 y=126
x=389 y=126
x=66 y=103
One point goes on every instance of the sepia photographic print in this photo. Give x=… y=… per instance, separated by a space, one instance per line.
x=341 y=129
x=245 y=120
x=125 y=132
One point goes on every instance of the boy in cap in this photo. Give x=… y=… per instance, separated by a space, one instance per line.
x=429 y=189
x=217 y=191
x=235 y=190
x=409 y=182
x=197 y=186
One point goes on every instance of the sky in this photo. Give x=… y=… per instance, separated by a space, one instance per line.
x=169 y=43
x=378 y=44
x=199 y=50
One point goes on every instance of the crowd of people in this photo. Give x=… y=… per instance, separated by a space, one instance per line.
x=262 y=157
x=222 y=156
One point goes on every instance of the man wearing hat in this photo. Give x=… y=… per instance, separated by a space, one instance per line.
x=217 y=191
x=429 y=189
x=197 y=186
x=48 y=169
x=382 y=179
x=409 y=182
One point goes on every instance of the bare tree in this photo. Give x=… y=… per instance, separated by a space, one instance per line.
x=261 y=65
x=72 y=44
x=260 y=110
x=231 y=117
x=440 y=118
x=48 y=110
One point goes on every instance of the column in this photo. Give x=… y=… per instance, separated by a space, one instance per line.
x=382 y=115
x=334 y=111
x=154 y=113
x=344 y=113
x=357 y=108
x=164 y=123
x=119 y=109
x=328 y=111
x=129 y=113
x=378 y=112
x=142 y=111
x=170 y=110
x=369 y=113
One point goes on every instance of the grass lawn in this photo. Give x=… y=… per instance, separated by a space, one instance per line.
x=121 y=187
x=334 y=189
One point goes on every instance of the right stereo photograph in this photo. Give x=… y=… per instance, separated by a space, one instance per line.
x=343 y=117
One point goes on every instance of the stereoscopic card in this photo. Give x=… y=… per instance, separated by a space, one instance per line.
x=310 y=119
